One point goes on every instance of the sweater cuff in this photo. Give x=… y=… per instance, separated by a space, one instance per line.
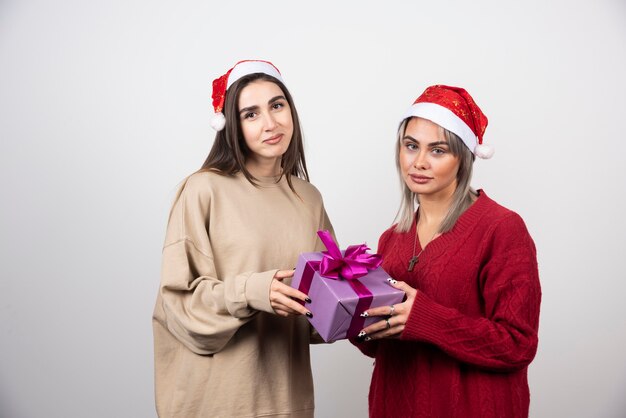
x=258 y=290
x=426 y=320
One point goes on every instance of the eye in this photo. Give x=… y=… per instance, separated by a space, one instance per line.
x=438 y=151
x=278 y=105
x=249 y=115
x=410 y=145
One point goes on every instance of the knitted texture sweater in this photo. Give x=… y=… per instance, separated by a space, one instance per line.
x=472 y=330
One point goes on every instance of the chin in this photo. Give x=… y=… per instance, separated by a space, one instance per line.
x=426 y=191
x=417 y=189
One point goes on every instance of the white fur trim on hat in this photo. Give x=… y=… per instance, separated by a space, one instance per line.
x=445 y=118
x=250 y=67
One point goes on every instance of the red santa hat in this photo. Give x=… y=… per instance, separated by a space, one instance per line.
x=454 y=109
x=221 y=84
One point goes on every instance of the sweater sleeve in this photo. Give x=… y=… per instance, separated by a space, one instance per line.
x=506 y=337
x=201 y=309
x=324 y=224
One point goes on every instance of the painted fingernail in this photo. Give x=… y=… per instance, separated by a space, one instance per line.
x=365 y=314
x=392 y=281
x=307 y=300
x=309 y=314
x=361 y=334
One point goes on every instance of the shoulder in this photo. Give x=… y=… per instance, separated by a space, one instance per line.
x=197 y=189
x=307 y=191
x=502 y=222
x=496 y=214
x=389 y=231
x=203 y=183
x=385 y=237
x=201 y=180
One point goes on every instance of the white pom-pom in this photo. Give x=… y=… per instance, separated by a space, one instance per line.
x=218 y=121
x=484 y=151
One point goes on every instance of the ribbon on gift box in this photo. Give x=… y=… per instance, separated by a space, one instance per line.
x=351 y=265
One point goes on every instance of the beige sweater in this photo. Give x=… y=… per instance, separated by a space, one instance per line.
x=219 y=349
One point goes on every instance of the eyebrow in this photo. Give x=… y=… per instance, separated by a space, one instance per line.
x=431 y=144
x=255 y=107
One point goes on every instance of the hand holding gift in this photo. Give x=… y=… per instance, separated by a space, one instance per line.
x=390 y=319
x=286 y=300
x=342 y=285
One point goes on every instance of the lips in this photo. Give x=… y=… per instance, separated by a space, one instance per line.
x=420 y=179
x=273 y=140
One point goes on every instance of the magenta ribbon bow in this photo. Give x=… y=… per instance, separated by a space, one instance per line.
x=334 y=265
x=355 y=263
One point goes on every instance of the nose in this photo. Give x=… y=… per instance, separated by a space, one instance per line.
x=421 y=161
x=270 y=122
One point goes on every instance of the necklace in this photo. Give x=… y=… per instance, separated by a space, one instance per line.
x=415 y=258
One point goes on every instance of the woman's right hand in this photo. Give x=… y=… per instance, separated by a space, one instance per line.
x=282 y=296
x=394 y=317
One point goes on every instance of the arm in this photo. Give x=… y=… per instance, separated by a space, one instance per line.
x=201 y=309
x=506 y=337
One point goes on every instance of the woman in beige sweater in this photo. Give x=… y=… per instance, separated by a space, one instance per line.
x=229 y=336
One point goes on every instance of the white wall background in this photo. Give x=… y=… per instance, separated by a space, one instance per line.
x=104 y=107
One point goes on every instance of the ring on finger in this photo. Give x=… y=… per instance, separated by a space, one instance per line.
x=392 y=309
x=388 y=324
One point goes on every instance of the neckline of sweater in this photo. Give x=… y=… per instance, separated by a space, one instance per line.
x=466 y=221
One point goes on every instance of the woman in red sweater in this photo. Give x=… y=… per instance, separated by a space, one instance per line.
x=461 y=342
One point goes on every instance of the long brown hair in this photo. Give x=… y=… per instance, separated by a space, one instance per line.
x=462 y=197
x=229 y=151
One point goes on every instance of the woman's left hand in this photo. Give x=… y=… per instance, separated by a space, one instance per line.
x=395 y=316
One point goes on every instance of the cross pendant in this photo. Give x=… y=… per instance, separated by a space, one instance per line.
x=412 y=263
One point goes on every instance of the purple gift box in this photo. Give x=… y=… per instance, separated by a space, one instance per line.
x=338 y=294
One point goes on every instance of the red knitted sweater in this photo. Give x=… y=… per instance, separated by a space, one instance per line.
x=472 y=330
